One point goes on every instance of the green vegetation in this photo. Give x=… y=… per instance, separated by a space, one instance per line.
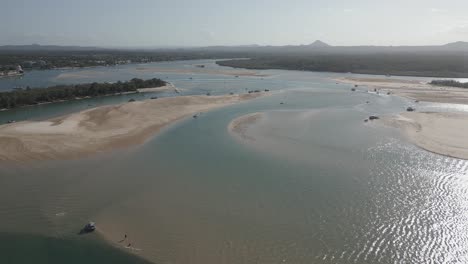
x=440 y=64
x=434 y=61
x=450 y=83
x=7 y=68
x=43 y=60
x=437 y=61
x=30 y=96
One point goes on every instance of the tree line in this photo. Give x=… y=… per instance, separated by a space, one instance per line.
x=43 y=60
x=28 y=96
x=451 y=83
x=449 y=65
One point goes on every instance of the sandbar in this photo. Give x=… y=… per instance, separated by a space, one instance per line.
x=196 y=70
x=103 y=128
x=439 y=132
x=412 y=89
x=238 y=126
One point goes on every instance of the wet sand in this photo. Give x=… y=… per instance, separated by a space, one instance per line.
x=441 y=133
x=412 y=89
x=83 y=74
x=201 y=71
x=89 y=74
x=444 y=133
x=239 y=125
x=103 y=128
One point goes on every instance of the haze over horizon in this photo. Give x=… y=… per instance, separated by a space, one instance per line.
x=146 y=23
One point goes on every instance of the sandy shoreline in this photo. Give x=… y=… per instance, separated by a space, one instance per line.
x=103 y=128
x=166 y=88
x=202 y=71
x=412 y=89
x=90 y=74
x=239 y=125
x=441 y=133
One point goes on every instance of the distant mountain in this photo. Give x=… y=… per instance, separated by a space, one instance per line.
x=457 y=45
x=37 y=47
x=317 y=47
x=319 y=44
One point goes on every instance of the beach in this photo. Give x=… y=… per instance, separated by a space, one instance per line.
x=411 y=89
x=441 y=133
x=169 y=87
x=197 y=70
x=103 y=128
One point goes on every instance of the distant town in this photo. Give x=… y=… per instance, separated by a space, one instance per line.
x=11 y=71
x=16 y=61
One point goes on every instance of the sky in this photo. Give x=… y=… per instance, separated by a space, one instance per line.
x=161 y=23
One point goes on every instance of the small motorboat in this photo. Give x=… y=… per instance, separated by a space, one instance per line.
x=89 y=227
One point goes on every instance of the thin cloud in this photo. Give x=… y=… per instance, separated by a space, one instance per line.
x=437 y=10
x=459 y=30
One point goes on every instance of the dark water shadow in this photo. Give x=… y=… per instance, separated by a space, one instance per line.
x=29 y=248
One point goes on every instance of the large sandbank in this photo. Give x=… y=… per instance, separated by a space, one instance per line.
x=102 y=128
x=412 y=89
x=196 y=70
x=442 y=133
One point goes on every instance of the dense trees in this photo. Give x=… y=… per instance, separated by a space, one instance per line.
x=451 y=83
x=89 y=58
x=406 y=64
x=30 y=96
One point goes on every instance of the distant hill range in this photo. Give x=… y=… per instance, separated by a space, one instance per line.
x=37 y=47
x=317 y=46
x=322 y=47
x=457 y=45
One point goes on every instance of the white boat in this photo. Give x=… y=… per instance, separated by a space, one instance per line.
x=90 y=227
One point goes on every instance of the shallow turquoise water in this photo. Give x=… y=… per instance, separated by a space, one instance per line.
x=317 y=186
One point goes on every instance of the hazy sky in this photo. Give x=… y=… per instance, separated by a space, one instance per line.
x=233 y=22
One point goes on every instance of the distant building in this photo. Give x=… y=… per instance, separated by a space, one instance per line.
x=19 y=69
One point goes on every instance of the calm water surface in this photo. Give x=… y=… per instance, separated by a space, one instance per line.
x=316 y=186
